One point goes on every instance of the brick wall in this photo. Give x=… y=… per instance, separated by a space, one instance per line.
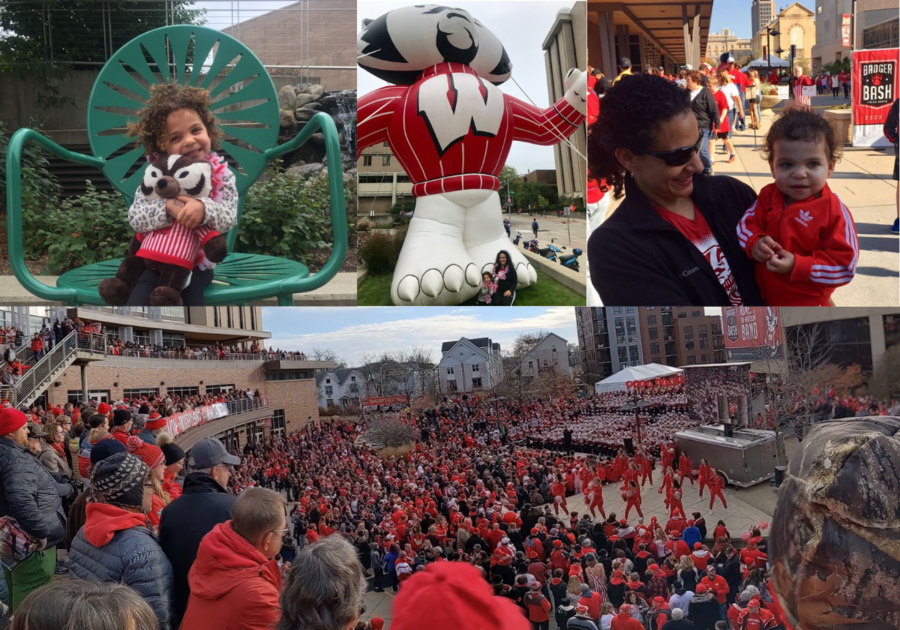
x=297 y=398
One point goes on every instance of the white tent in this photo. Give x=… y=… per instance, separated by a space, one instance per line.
x=616 y=382
x=773 y=62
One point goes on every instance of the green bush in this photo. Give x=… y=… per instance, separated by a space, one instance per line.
x=40 y=190
x=79 y=231
x=381 y=251
x=287 y=217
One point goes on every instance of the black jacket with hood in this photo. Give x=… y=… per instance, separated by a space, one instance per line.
x=637 y=258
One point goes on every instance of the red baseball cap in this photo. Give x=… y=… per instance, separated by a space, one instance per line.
x=698 y=545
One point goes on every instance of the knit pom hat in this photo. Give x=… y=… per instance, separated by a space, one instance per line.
x=103 y=408
x=155 y=421
x=451 y=595
x=149 y=454
x=119 y=480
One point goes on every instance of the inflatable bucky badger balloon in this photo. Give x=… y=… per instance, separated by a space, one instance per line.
x=451 y=128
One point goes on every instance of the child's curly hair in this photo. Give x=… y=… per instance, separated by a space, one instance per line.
x=801 y=123
x=150 y=128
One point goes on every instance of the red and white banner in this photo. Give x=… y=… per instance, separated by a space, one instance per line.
x=752 y=333
x=874 y=84
x=845 y=30
x=180 y=422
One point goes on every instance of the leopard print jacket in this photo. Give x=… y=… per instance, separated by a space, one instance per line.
x=147 y=215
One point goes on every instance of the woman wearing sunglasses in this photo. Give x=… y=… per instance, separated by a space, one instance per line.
x=673 y=239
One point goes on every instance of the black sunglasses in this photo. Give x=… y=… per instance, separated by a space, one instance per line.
x=678 y=157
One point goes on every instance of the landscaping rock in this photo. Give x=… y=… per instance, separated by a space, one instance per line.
x=287 y=99
x=303 y=99
x=315 y=89
x=305 y=170
x=286 y=118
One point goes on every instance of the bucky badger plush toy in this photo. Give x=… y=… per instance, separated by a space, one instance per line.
x=175 y=250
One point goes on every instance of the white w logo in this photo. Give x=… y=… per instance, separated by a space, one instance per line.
x=451 y=104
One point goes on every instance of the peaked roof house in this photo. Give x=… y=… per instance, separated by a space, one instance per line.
x=469 y=365
x=551 y=352
x=340 y=387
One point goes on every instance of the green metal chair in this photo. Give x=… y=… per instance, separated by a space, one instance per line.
x=240 y=278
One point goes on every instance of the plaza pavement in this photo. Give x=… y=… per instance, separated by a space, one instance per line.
x=738 y=518
x=553 y=227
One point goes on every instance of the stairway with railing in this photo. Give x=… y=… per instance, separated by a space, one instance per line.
x=39 y=376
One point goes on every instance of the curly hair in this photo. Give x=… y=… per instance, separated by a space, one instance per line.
x=150 y=128
x=801 y=123
x=631 y=115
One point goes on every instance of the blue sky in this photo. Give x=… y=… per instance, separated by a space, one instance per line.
x=352 y=332
x=735 y=14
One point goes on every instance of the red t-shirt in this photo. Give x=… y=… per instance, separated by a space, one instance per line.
x=740 y=79
x=698 y=233
x=722 y=103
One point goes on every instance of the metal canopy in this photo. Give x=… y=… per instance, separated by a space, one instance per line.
x=661 y=21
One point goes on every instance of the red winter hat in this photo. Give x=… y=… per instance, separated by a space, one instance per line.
x=103 y=408
x=697 y=546
x=753 y=603
x=149 y=454
x=534 y=531
x=691 y=523
x=57 y=411
x=702 y=588
x=653 y=567
x=659 y=600
x=377 y=623
x=11 y=420
x=557 y=543
x=450 y=595
x=154 y=422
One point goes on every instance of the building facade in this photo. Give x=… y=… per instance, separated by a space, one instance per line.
x=469 y=365
x=316 y=34
x=678 y=336
x=728 y=42
x=877 y=24
x=609 y=339
x=829 y=43
x=565 y=48
x=761 y=13
x=796 y=25
x=289 y=385
x=381 y=180
x=853 y=335
x=551 y=353
x=342 y=388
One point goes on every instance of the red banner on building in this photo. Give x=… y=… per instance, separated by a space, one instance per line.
x=752 y=333
x=845 y=30
x=374 y=401
x=874 y=84
x=178 y=423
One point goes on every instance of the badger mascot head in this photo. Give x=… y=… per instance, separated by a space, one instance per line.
x=400 y=44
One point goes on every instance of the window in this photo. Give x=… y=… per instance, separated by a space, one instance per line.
x=329 y=390
x=278 y=423
x=620 y=330
x=704 y=358
x=228 y=314
x=219 y=389
x=891 y=330
x=367 y=160
x=172 y=339
x=692 y=360
x=100 y=395
x=689 y=337
x=301 y=375
x=631 y=323
x=531 y=365
x=141 y=392
x=651 y=320
x=476 y=383
x=629 y=309
x=385 y=160
x=654 y=333
x=474 y=367
x=352 y=379
x=329 y=402
x=695 y=313
x=112 y=333
x=386 y=144
x=142 y=337
x=182 y=391
x=617 y=310
x=654 y=348
x=634 y=354
x=216 y=320
x=449 y=371
x=327 y=380
x=451 y=386
x=623 y=354
x=884 y=35
x=796 y=33
x=241 y=316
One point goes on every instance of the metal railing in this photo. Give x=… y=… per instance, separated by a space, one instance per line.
x=200 y=355
x=37 y=376
x=247 y=404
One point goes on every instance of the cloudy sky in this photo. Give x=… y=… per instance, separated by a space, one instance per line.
x=522 y=26
x=352 y=332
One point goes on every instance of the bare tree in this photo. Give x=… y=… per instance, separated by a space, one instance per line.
x=327 y=354
x=522 y=376
x=389 y=433
x=885 y=383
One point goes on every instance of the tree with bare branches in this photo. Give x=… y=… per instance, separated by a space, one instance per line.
x=885 y=382
x=518 y=381
x=389 y=433
x=327 y=354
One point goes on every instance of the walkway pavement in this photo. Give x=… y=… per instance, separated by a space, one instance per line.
x=862 y=179
x=570 y=233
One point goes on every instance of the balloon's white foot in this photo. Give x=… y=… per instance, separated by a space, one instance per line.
x=434 y=268
x=485 y=254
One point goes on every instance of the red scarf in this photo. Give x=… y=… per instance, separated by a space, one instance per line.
x=58 y=447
